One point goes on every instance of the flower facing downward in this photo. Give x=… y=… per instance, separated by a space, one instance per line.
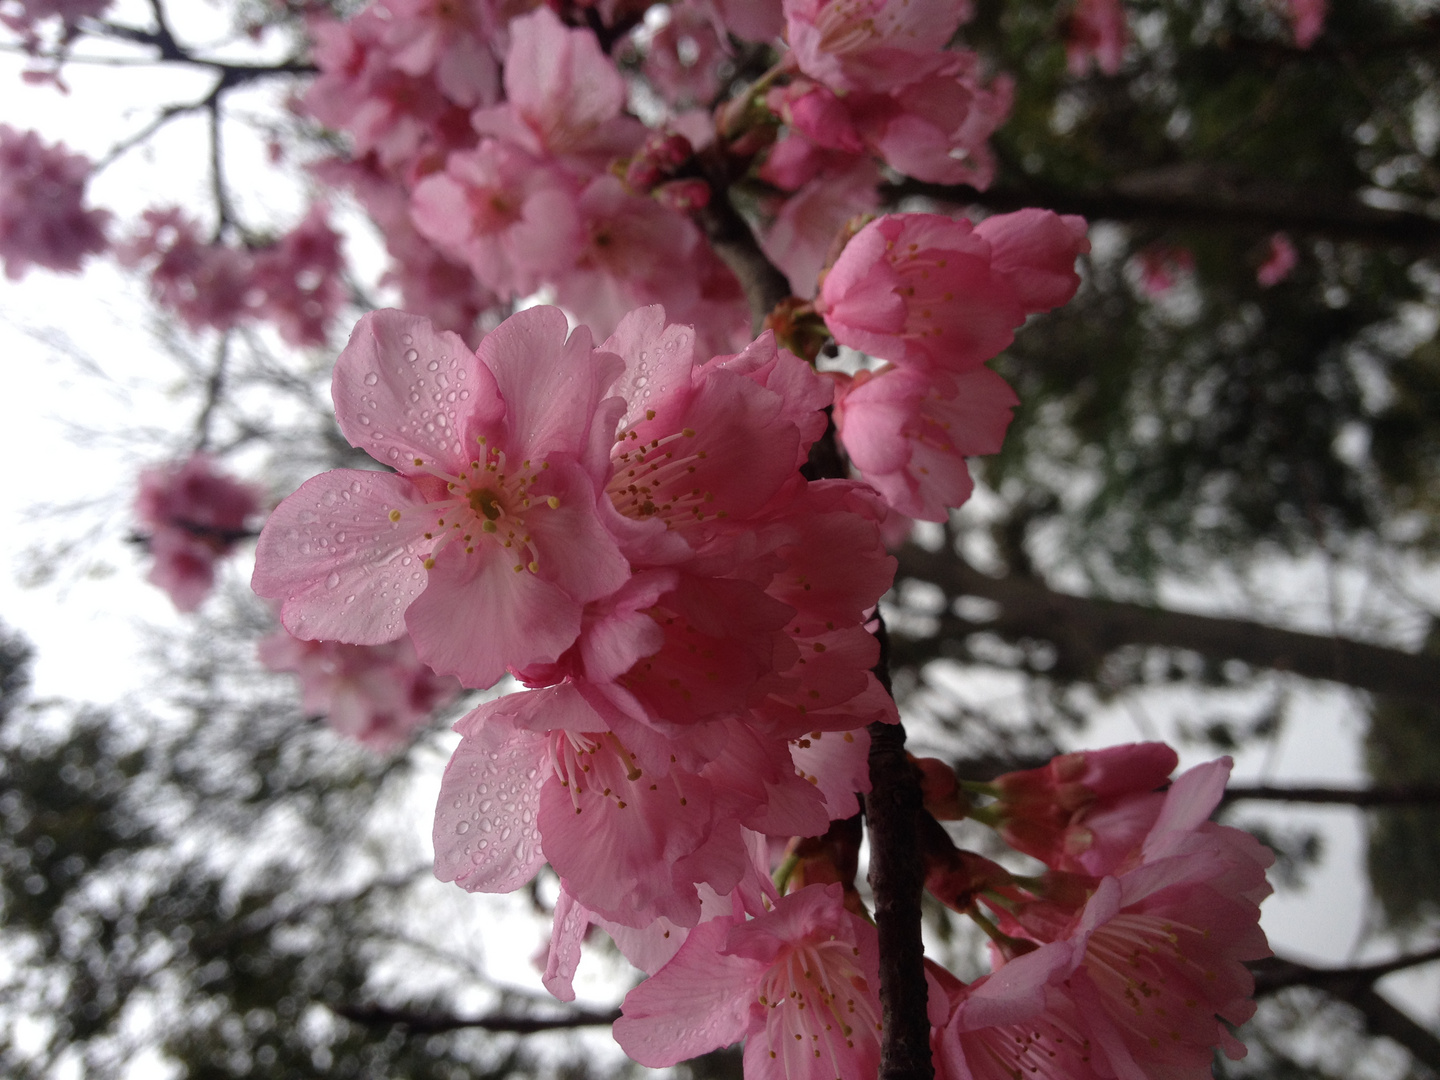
x=798 y=983
x=486 y=542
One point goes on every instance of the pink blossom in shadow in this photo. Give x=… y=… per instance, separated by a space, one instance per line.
x=376 y=694
x=1096 y=33
x=1086 y=812
x=1307 y=20
x=193 y=516
x=871 y=45
x=1280 y=261
x=799 y=984
x=1161 y=267
x=908 y=432
x=43 y=219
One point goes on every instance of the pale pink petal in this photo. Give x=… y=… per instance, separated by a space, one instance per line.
x=567 y=933
x=403 y=391
x=345 y=566
x=487 y=836
x=698 y=1002
x=1191 y=800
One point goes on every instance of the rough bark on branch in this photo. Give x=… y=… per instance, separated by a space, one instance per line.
x=1092 y=628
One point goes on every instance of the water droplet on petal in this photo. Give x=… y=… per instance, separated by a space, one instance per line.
x=411 y=355
x=433 y=365
x=333 y=581
x=462 y=827
x=371 y=379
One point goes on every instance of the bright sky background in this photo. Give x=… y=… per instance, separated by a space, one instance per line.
x=93 y=400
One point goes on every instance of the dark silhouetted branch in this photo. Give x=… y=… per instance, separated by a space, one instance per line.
x=1090 y=629
x=429 y=1023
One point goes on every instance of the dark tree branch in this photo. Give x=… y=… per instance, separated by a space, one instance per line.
x=1090 y=629
x=429 y=1023
x=1356 y=987
x=1210 y=204
x=1400 y=795
x=897 y=878
x=764 y=285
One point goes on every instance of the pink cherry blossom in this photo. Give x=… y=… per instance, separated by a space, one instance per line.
x=919 y=289
x=299 y=280
x=908 y=433
x=564 y=96
x=1307 y=20
x=193 y=516
x=1035 y=251
x=509 y=217
x=43 y=220
x=1281 y=260
x=870 y=45
x=488 y=542
x=798 y=983
x=1086 y=812
x=1097 y=34
x=1161 y=267
x=206 y=284
x=1158 y=952
x=804 y=230
x=449 y=38
x=375 y=694
x=683 y=57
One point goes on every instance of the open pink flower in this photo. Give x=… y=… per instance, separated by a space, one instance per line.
x=870 y=45
x=799 y=984
x=909 y=432
x=194 y=516
x=43 y=220
x=487 y=543
x=375 y=694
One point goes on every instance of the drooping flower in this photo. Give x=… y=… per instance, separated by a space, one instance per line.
x=375 y=694
x=799 y=984
x=487 y=542
x=909 y=432
x=43 y=220
x=193 y=516
x=870 y=45
x=1086 y=812
x=1280 y=261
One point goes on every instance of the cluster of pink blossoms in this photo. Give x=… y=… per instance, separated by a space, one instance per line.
x=294 y=283
x=43 y=219
x=194 y=516
x=375 y=694
x=1126 y=959
x=936 y=297
x=626 y=530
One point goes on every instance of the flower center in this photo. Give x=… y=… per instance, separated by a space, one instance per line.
x=817 y=1001
x=485 y=508
x=656 y=478
x=595 y=762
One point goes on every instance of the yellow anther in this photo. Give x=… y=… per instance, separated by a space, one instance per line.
x=553 y=503
x=394 y=515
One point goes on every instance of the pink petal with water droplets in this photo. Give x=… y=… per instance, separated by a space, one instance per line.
x=487 y=836
x=345 y=570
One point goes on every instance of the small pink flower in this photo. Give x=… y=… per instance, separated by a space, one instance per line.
x=299 y=279
x=1161 y=267
x=1035 y=251
x=194 y=517
x=684 y=56
x=488 y=542
x=1307 y=18
x=43 y=220
x=506 y=214
x=206 y=284
x=1282 y=259
x=909 y=432
x=871 y=45
x=798 y=983
x=919 y=289
x=375 y=694
x=1097 y=33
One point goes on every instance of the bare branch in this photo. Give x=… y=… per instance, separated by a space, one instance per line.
x=1089 y=629
x=1400 y=795
x=430 y=1023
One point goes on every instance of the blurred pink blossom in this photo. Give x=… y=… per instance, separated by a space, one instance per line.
x=43 y=221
